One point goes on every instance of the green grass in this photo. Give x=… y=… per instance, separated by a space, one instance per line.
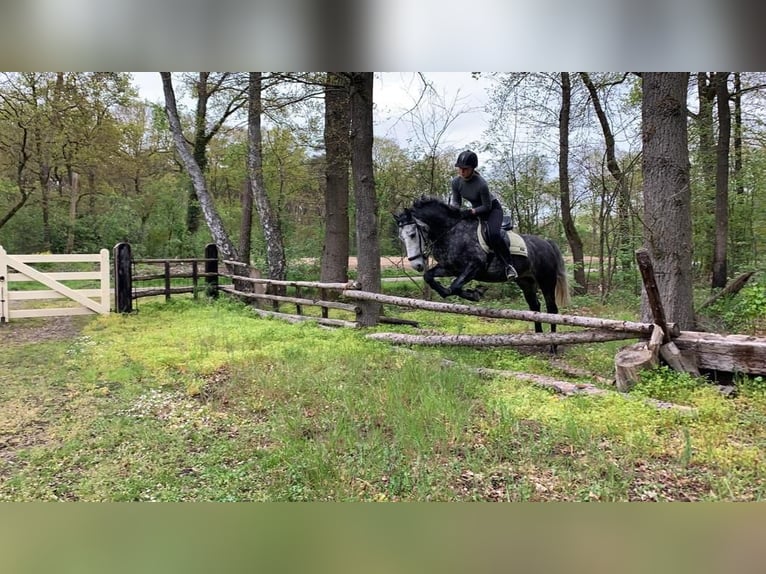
x=199 y=401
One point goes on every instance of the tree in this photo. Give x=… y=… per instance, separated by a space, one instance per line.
x=337 y=133
x=272 y=232
x=721 y=84
x=573 y=237
x=225 y=90
x=212 y=218
x=667 y=196
x=623 y=191
x=368 y=247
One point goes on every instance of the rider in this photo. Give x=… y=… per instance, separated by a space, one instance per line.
x=470 y=185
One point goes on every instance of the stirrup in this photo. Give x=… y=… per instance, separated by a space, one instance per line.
x=510 y=272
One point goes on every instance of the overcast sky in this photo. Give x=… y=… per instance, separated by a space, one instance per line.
x=396 y=92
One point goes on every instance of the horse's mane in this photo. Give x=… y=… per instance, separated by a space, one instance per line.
x=428 y=208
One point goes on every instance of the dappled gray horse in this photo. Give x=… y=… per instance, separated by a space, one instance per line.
x=433 y=228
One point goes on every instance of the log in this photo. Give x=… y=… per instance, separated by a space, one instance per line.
x=315 y=284
x=568 y=388
x=731 y=289
x=302 y=318
x=551 y=318
x=678 y=361
x=629 y=362
x=656 y=340
x=652 y=291
x=520 y=340
x=730 y=353
x=294 y=300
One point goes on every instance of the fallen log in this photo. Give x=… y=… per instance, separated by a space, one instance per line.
x=303 y=318
x=731 y=289
x=294 y=300
x=567 y=388
x=551 y=318
x=521 y=340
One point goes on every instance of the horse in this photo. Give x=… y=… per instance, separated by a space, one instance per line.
x=434 y=228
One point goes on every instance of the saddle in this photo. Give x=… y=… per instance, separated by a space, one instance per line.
x=514 y=241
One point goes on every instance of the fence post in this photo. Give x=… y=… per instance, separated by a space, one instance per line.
x=211 y=270
x=123 y=278
x=166 y=266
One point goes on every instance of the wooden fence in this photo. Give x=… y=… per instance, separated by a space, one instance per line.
x=125 y=276
x=55 y=273
x=352 y=307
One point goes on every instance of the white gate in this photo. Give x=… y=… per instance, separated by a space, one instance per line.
x=16 y=268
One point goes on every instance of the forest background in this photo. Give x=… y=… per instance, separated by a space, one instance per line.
x=86 y=162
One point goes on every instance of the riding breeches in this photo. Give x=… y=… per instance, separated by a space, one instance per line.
x=495 y=235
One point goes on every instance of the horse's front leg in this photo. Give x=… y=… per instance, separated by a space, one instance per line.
x=430 y=278
x=467 y=274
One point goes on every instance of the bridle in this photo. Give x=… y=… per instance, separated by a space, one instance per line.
x=424 y=247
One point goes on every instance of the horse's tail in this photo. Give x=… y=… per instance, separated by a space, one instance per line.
x=562 y=283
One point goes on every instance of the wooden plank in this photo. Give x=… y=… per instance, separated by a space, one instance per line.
x=105 y=286
x=57 y=275
x=730 y=353
x=4 y=311
x=38 y=295
x=59 y=258
x=51 y=312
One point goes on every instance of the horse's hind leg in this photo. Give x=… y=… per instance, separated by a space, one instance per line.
x=549 y=294
x=530 y=295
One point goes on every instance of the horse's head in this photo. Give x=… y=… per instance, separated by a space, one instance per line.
x=411 y=232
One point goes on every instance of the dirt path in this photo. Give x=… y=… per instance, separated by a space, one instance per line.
x=42 y=329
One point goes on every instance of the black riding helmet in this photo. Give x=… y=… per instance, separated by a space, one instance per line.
x=467 y=159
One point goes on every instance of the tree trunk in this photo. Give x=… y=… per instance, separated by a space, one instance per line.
x=272 y=233
x=74 y=196
x=704 y=197
x=667 y=197
x=337 y=132
x=722 y=182
x=368 y=247
x=573 y=237
x=246 y=222
x=624 y=251
x=199 y=151
x=213 y=220
x=737 y=99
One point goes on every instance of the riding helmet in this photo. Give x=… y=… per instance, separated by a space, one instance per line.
x=467 y=159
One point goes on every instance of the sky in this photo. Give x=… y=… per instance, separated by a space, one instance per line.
x=396 y=92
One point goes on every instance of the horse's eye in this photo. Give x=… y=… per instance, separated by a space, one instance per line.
x=412 y=236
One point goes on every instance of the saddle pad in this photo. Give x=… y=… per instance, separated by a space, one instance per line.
x=518 y=247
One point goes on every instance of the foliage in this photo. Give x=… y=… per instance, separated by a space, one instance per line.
x=744 y=312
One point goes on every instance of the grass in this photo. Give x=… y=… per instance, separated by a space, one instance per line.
x=199 y=401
